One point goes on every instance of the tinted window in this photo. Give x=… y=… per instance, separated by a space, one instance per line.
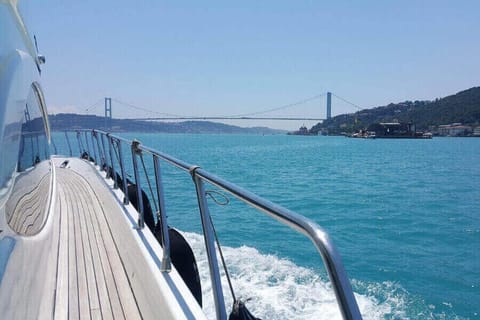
x=28 y=205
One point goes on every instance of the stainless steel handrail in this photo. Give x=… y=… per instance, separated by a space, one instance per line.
x=321 y=240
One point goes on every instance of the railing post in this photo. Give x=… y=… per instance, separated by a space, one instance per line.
x=100 y=154
x=79 y=143
x=88 y=145
x=124 y=176
x=210 y=246
x=135 y=151
x=93 y=147
x=54 y=146
x=68 y=143
x=162 y=217
x=104 y=151
x=113 y=173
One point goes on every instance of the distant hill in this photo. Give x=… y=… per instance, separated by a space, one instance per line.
x=462 y=107
x=68 y=121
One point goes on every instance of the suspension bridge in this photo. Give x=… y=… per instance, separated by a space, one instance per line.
x=257 y=115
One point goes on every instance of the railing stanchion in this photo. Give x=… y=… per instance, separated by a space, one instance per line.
x=102 y=136
x=210 y=246
x=162 y=217
x=88 y=145
x=113 y=173
x=94 y=150
x=79 y=143
x=101 y=156
x=68 y=143
x=124 y=176
x=135 y=151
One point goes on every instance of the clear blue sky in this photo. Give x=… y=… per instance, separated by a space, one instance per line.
x=223 y=58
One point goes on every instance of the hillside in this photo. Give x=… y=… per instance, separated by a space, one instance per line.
x=462 y=107
x=68 y=121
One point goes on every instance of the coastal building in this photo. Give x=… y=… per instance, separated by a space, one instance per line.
x=303 y=131
x=454 y=130
x=397 y=130
x=476 y=131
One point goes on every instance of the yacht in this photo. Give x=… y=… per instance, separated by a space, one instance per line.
x=80 y=238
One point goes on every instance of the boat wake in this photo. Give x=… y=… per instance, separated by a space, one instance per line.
x=276 y=288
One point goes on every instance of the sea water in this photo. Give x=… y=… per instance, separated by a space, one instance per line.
x=404 y=215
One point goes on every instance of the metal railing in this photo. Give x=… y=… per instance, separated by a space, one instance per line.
x=106 y=148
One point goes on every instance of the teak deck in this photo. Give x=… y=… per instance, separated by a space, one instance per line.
x=91 y=281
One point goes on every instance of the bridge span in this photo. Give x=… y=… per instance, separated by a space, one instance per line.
x=258 y=115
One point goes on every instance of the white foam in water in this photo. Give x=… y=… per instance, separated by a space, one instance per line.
x=276 y=288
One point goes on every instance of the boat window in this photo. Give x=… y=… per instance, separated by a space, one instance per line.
x=28 y=205
x=34 y=140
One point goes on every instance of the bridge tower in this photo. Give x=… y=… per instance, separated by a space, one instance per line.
x=108 y=113
x=329 y=105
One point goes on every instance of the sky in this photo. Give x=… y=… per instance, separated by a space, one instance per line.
x=220 y=58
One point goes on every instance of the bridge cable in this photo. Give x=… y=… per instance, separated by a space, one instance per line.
x=351 y=103
x=145 y=109
x=293 y=104
x=87 y=109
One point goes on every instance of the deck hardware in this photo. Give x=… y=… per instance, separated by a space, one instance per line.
x=192 y=169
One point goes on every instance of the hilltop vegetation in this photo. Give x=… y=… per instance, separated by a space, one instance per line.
x=69 y=121
x=462 y=107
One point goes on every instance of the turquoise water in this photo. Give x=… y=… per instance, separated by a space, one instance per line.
x=404 y=214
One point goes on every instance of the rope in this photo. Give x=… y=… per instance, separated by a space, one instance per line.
x=117 y=155
x=223 y=261
x=149 y=185
x=224 y=203
x=212 y=192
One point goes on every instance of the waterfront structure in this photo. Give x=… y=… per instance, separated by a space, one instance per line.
x=476 y=132
x=397 y=130
x=454 y=129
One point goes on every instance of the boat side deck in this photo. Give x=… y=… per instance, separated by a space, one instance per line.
x=91 y=281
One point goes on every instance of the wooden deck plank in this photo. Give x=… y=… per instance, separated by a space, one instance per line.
x=104 y=299
x=127 y=300
x=61 y=293
x=115 y=304
x=83 y=303
x=91 y=281
x=73 y=298
x=92 y=293
x=48 y=304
